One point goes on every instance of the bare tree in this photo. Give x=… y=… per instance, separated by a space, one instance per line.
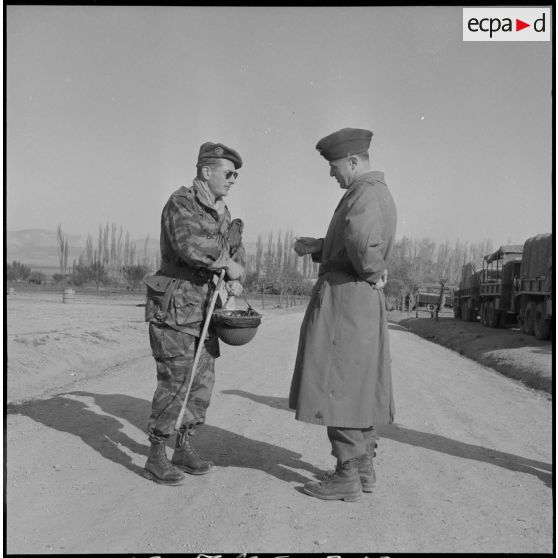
x=259 y=255
x=442 y=297
x=62 y=241
x=89 y=250
x=145 y=250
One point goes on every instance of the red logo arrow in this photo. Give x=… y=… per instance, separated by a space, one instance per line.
x=519 y=25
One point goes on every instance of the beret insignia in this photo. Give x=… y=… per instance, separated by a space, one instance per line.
x=218 y=151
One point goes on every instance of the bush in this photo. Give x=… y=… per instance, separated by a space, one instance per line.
x=134 y=274
x=58 y=278
x=16 y=271
x=95 y=272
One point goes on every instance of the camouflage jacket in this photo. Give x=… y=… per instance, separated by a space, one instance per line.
x=197 y=237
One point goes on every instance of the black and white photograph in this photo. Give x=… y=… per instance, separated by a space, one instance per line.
x=278 y=280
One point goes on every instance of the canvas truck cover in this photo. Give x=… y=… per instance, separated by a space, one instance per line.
x=470 y=275
x=537 y=257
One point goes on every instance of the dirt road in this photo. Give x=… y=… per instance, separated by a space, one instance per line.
x=467 y=467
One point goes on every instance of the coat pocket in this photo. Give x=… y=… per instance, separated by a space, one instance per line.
x=166 y=342
x=186 y=311
x=159 y=291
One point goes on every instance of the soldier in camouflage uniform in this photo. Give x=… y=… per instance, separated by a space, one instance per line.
x=198 y=240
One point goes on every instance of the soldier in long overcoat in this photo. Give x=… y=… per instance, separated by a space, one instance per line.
x=342 y=377
x=198 y=240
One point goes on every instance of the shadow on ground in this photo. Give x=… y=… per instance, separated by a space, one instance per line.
x=98 y=420
x=442 y=444
x=434 y=442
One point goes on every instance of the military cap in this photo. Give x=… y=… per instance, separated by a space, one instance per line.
x=348 y=141
x=210 y=151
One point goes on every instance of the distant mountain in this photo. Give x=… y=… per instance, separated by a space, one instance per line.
x=38 y=248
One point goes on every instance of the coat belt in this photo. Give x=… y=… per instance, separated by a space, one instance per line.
x=337 y=266
x=186 y=273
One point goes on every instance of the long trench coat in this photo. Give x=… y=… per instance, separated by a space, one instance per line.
x=342 y=374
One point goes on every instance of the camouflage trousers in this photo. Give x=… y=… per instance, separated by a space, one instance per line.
x=174 y=353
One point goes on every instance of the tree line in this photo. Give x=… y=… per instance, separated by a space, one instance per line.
x=111 y=259
x=413 y=262
x=274 y=267
x=418 y=262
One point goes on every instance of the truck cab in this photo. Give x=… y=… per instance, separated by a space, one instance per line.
x=499 y=270
x=533 y=287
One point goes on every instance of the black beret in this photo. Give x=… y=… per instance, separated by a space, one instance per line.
x=348 y=141
x=210 y=151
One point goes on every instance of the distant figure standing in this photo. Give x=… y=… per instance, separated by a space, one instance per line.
x=342 y=376
x=198 y=240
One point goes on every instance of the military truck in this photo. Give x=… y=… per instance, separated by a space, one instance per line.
x=533 y=287
x=514 y=282
x=428 y=296
x=496 y=289
x=466 y=299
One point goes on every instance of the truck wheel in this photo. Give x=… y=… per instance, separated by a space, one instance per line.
x=541 y=325
x=492 y=318
x=521 y=320
x=529 y=319
x=483 y=313
x=503 y=319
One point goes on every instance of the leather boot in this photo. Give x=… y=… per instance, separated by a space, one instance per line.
x=159 y=469
x=343 y=484
x=366 y=470
x=185 y=457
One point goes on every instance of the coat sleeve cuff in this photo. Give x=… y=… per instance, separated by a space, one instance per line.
x=317 y=256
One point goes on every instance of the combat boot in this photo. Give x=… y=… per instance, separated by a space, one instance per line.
x=366 y=468
x=343 y=484
x=185 y=457
x=159 y=469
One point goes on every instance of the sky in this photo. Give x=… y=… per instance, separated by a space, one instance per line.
x=106 y=108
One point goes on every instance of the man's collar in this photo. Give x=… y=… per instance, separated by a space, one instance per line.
x=368 y=176
x=205 y=196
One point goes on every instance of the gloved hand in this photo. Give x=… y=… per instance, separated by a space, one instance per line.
x=234 y=270
x=307 y=245
x=234 y=288
x=381 y=282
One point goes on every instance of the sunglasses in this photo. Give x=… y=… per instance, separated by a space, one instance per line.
x=228 y=174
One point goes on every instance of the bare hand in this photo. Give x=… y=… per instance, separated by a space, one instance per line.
x=234 y=288
x=234 y=270
x=381 y=282
x=307 y=245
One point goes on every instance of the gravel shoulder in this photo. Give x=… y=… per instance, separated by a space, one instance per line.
x=506 y=350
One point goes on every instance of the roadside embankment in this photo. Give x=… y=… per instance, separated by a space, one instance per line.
x=506 y=350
